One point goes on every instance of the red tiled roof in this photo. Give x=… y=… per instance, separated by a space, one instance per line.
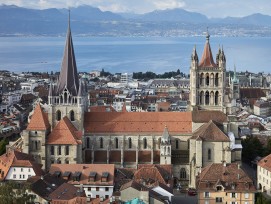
x=138 y=122
x=227 y=176
x=101 y=109
x=210 y=132
x=64 y=133
x=39 y=120
x=18 y=159
x=85 y=170
x=265 y=162
x=204 y=116
x=207 y=57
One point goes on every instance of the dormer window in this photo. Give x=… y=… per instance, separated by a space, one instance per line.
x=92 y=176
x=219 y=188
x=104 y=177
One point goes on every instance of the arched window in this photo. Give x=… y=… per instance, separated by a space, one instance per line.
x=58 y=115
x=145 y=143
x=183 y=173
x=207 y=80
x=201 y=79
x=207 y=98
x=216 y=79
x=72 y=115
x=177 y=144
x=130 y=143
x=36 y=145
x=52 y=150
x=216 y=98
x=209 y=154
x=101 y=143
x=116 y=143
x=201 y=98
x=88 y=144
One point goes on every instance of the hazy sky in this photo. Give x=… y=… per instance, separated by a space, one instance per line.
x=211 y=8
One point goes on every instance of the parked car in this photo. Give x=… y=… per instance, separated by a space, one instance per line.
x=192 y=192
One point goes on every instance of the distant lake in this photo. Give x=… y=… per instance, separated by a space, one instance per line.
x=131 y=54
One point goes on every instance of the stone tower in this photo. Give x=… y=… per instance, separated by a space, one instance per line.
x=68 y=96
x=165 y=148
x=207 y=79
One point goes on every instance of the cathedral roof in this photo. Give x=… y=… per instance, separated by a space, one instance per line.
x=207 y=57
x=64 y=133
x=204 y=116
x=210 y=132
x=68 y=75
x=138 y=122
x=39 y=120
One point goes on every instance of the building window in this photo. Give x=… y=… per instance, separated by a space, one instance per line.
x=233 y=195
x=88 y=144
x=14 y=176
x=52 y=150
x=116 y=143
x=22 y=169
x=97 y=188
x=59 y=150
x=206 y=194
x=130 y=143
x=209 y=154
x=58 y=115
x=29 y=169
x=177 y=144
x=218 y=199
x=145 y=143
x=106 y=188
x=106 y=196
x=183 y=173
x=67 y=150
x=72 y=115
x=101 y=143
x=246 y=195
x=219 y=188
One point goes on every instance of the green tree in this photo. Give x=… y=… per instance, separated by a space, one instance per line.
x=252 y=148
x=14 y=193
x=3 y=144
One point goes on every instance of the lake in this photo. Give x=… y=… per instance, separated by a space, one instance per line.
x=131 y=54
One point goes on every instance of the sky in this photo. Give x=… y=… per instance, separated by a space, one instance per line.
x=211 y=8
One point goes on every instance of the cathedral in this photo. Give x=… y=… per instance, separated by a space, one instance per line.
x=68 y=133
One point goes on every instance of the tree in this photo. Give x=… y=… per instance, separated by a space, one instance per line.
x=11 y=193
x=3 y=144
x=178 y=72
x=252 y=148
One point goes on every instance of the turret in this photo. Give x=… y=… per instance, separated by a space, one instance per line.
x=222 y=60
x=165 y=148
x=194 y=59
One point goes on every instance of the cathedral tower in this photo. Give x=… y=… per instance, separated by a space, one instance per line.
x=165 y=148
x=68 y=96
x=207 y=79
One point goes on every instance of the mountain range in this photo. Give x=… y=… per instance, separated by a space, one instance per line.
x=87 y=20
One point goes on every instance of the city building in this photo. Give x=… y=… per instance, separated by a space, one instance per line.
x=126 y=78
x=263 y=174
x=225 y=183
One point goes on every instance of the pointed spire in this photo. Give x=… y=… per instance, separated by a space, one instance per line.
x=39 y=120
x=80 y=91
x=194 y=55
x=165 y=136
x=68 y=75
x=207 y=57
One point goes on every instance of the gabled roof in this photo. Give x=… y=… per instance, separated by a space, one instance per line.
x=207 y=57
x=210 y=132
x=204 y=116
x=265 y=162
x=39 y=120
x=65 y=133
x=68 y=75
x=17 y=159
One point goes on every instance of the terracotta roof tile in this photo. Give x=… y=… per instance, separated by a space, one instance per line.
x=85 y=170
x=101 y=109
x=39 y=120
x=228 y=176
x=138 y=122
x=64 y=133
x=204 y=116
x=210 y=132
x=265 y=162
x=207 y=57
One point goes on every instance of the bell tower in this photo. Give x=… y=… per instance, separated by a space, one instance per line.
x=165 y=148
x=68 y=97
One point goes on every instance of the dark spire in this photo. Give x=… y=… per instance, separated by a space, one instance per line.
x=68 y=75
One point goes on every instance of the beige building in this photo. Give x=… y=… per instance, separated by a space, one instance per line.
x=225 y=183
x=264 y=174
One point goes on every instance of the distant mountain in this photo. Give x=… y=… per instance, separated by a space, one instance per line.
x=87 y=20
x=174 y=15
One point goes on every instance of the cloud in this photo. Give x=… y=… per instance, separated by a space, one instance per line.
x=169 y=4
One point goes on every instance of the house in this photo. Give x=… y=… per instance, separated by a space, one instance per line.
x=97 y=180
x=225 y=183
x=18 y=166
x=263 y=174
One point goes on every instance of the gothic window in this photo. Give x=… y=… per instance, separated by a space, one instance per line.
x=207 y=98
x=209 y=154
x=116 y=143
x=216 y=98
x=88 y=144
x=212 y=79
x=67 y=150
x=201 y=98
x=177 y=144
x=58 y=115
x=207 y=80
x=59 y=150
x=72 y=115
x=183 y=173
x=101 y=143
x=145 y=143
x=201 y=79
x=212 y=98
x=130 y=143
x=52 y=150
x=65 y=97
x=36 y=145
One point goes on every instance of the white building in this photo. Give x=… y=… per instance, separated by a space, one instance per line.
x=126 y=78
x=264 y=174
